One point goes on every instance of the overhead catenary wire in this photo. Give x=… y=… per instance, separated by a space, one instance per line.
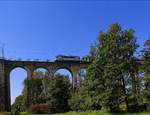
x=2 y=48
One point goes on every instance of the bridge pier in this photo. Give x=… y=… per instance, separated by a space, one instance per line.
x=74 y=79
x=29 y=88
x=7 y=96
x=3 y=86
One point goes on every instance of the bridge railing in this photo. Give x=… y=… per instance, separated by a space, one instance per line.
x=21 y=59
x=31 y=60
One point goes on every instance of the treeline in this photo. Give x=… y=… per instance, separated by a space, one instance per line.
x=117 y=79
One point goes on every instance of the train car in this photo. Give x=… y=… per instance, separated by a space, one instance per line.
x=67 y=58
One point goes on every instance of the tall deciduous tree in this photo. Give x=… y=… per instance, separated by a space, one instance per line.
x=58 y=93
x=146 y=58
x=105 y=84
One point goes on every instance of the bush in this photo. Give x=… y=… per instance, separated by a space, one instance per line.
x=39 y=108
x=19 y=104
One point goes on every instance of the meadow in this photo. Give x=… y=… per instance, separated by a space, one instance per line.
x=82 y=113
x=100 y=113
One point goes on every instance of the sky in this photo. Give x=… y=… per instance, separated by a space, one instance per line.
x=43 y=29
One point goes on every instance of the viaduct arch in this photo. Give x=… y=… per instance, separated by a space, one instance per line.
x=6 y=66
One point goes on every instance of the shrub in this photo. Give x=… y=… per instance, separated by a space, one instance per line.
x=19 y=104
x=39 y=108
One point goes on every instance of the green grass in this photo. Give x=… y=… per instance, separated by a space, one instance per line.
x=84 y=113
x=97 y=113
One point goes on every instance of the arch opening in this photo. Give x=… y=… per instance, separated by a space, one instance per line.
x=64 y=72
x=40 y=72
x=81 y=75
x=17 y=78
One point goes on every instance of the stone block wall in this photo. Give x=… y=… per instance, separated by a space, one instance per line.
x=2 y=86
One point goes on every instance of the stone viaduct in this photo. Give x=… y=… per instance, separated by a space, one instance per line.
x=6 y=66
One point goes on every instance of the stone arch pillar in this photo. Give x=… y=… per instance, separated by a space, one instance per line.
x=2 y=87
x=74 y=75
x=51 y=72
x=29 y=87
x=75 y=71
x=7 y=91
x=74 y=80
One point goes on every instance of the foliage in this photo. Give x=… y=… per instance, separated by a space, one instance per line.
x=37 y=83
x=92 y=113
x=19 y=104
x=146 y=68
x=58 y=93
x=106 y=83
x=55 y=92
x=92 y=54
x=99 y=113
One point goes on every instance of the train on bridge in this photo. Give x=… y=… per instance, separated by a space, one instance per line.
x=67 y=58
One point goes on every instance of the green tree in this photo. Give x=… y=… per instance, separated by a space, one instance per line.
x=38 y=83
x=19 y=102
x=58 y=93
x=146 y=67
x=105 y=84
x=92 y=54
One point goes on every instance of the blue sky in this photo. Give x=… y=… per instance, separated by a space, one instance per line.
x=36 y=29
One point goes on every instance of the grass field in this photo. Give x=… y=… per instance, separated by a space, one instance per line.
x=83 y=113
x=99 y=113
